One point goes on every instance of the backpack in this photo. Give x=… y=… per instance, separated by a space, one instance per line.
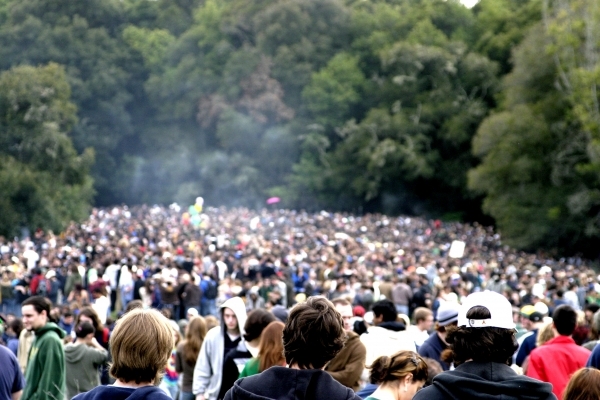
x=42 y=289
x=211 y=291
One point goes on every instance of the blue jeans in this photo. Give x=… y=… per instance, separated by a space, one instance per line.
x=126 y=297
x=402 y=309
x=10 y=306
x=208 y=307
x=187 y=396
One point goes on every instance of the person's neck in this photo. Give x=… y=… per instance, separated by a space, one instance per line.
x=132 y=385
x=40 y=327
x=296 y=366
x=442 y=336
x=254 y=342
x=233 y=332
x=384 y=392
x=80 y=341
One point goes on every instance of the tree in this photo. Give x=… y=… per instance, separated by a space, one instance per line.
x=45 y=182
x=533 y=156
x=500 y=25
x=394 y=133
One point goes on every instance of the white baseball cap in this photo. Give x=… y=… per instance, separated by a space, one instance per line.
x=498 y=305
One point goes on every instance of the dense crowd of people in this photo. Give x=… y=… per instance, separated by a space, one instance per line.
x=227 y=283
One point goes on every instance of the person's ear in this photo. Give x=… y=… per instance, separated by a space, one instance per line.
x=407 y=381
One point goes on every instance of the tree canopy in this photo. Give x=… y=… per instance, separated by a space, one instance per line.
x=44 y=181
x=399 y=106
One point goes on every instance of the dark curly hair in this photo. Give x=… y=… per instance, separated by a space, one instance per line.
x=314 y=334
x=386 y=309
x=480 y=344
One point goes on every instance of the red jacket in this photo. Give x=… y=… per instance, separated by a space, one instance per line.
x=556 y=361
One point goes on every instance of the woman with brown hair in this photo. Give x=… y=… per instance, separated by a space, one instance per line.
x=399 y=377
x=102 y=335
x=187 y=354
x=270 y=351
x=89 y=314
x=583 y=385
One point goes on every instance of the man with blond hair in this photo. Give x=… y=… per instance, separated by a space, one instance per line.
x=423 y=318
x=140 y=347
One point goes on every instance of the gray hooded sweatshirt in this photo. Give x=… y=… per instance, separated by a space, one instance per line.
x=82 y=362
x=209 y=366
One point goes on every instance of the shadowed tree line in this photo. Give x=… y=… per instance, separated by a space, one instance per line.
x=397 y=106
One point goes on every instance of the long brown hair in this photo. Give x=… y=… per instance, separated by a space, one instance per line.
x=583 y=385
x=271 y=346
x=194 y=336
x=89 y=312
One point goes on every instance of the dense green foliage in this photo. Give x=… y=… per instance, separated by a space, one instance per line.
x=44 y=181
x=415 y=106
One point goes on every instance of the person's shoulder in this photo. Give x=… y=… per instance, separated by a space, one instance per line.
x=179 y=348
x=5 y=351
x=7 y=356
x=352 y=337
x=212 y=337
x=428 y=343
x=429 y=392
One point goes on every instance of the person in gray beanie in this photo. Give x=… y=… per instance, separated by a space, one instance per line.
x=433 y=347
x=281 y=313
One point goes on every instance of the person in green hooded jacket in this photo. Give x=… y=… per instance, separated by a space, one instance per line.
x=45 y=374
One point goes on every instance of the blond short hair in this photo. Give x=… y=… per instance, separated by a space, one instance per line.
x=141 y=345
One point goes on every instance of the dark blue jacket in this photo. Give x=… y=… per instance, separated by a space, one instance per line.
x=526 y=347
x=432 y=348
x=122 y=393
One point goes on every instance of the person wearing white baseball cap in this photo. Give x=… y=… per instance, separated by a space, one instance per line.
x=481 y=347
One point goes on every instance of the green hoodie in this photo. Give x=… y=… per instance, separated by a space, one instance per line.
x=45 y=374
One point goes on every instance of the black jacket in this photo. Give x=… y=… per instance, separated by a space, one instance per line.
x=286 y=383
x=233 y=364
x=481 y=380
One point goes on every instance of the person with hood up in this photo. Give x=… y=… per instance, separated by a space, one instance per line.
x=236 y=359
x=312 y=336
x=140 y=347
x=45 y=374
x=83 y=358
x=482 y=346
x=219 y=341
